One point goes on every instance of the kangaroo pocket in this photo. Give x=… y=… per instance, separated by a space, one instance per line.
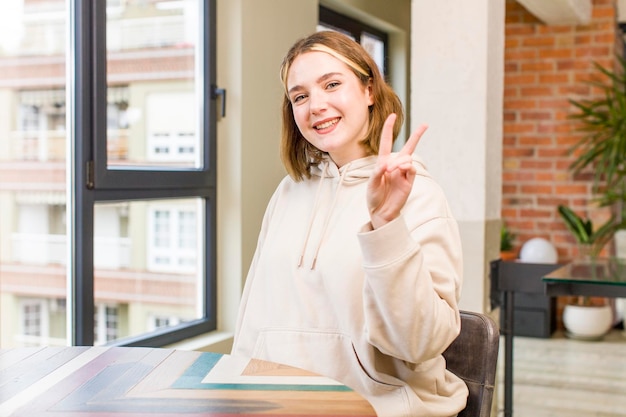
x=334 y=355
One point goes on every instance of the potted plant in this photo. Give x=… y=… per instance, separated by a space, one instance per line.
x=587 y=318
x=587 y=321
x=590 y=241
x=506 y=244
x=602 y=148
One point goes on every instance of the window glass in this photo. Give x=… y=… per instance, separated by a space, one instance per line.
x=153 y=104
x=33 y=138
x=376 y=48
x=373 y=40
x=147 y=265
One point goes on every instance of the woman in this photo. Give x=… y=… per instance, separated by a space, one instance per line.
x=357 y=271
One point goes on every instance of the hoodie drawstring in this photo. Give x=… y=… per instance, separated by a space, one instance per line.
x=327 y=218
x=315 y=204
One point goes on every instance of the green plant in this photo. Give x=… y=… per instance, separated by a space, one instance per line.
x=585 y=235
x=506 y=239
x=603 y=145
x=583 y=231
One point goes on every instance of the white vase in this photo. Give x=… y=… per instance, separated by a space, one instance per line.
x=587 y=322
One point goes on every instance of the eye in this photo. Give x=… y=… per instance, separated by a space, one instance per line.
x=298 y=98
x=332 y=84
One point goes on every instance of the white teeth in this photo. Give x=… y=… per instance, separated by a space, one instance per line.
x=326 y=124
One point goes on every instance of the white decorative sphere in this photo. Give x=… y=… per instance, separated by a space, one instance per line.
x=539 y=251
x=587 y=322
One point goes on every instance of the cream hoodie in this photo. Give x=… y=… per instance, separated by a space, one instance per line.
x=373 y=309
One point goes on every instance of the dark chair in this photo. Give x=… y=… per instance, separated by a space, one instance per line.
x=473 y=356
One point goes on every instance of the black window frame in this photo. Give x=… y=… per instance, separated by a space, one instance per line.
x=94 y=182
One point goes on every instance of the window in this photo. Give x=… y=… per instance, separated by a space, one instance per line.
x=373 y=40
x=106 y=324
x=157 y=322
x=172 y=136
x=133 y=129
x=33 y=323
x=152 y=78
x=173 y=238
x=32 y=318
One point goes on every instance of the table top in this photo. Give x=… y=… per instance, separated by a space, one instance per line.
x=600 y=277
x=607 y=271
x=132 y=381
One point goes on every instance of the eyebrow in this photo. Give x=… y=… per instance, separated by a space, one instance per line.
x=319 y=80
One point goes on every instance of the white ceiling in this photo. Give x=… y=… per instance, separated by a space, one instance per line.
x=560 y=11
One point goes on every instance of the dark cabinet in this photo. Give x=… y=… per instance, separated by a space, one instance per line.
x=534 y=312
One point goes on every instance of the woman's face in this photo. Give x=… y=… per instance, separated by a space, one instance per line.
x=330 y=105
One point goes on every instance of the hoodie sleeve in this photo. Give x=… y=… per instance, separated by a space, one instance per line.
x=413 y=277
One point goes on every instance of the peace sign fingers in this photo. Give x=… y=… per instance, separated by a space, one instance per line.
x=386 y=136
x=413 y=140
x=391 y=181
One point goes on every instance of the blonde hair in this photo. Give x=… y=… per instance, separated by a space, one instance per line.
x=296 y=152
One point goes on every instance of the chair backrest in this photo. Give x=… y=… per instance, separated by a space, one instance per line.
x=473 y=357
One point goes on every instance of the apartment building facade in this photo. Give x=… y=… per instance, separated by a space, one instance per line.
x=145 y=252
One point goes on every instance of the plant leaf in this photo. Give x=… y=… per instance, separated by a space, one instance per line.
x=578 y=227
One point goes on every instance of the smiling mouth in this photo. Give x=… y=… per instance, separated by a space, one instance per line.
x=327 y=124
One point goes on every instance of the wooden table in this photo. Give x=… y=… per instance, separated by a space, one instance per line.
x=131 y=381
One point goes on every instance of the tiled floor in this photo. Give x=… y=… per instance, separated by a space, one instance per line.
x=561 y=377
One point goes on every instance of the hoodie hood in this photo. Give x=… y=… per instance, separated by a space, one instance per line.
x=355 y=172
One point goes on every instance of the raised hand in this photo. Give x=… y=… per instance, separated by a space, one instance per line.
x=391 y=182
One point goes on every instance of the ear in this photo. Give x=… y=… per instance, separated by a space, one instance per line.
x=370 y=93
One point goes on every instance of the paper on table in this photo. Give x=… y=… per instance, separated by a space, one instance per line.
x=241 y=370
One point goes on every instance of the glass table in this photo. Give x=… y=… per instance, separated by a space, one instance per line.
x=597 y=277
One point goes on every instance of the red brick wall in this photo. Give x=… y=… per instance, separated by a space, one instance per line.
x=545 y=67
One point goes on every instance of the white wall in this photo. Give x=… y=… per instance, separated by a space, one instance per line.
x=457 y=81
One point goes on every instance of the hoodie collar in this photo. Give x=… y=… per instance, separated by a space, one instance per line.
x=354 y=172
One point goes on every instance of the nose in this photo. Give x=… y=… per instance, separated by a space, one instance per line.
x=317 y=102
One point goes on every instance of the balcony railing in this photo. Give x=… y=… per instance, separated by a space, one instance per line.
x=22 y=340
x=42 y=249
x=38 y=145
x=146 y=32
x=49 y=145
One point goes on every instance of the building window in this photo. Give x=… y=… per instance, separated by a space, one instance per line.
x=172 y=133
x=29 y=117
x=33 y=323
x=158 y=322
x=373 y=40
x=32 y=319
x=173 y=240
x=106 y=324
